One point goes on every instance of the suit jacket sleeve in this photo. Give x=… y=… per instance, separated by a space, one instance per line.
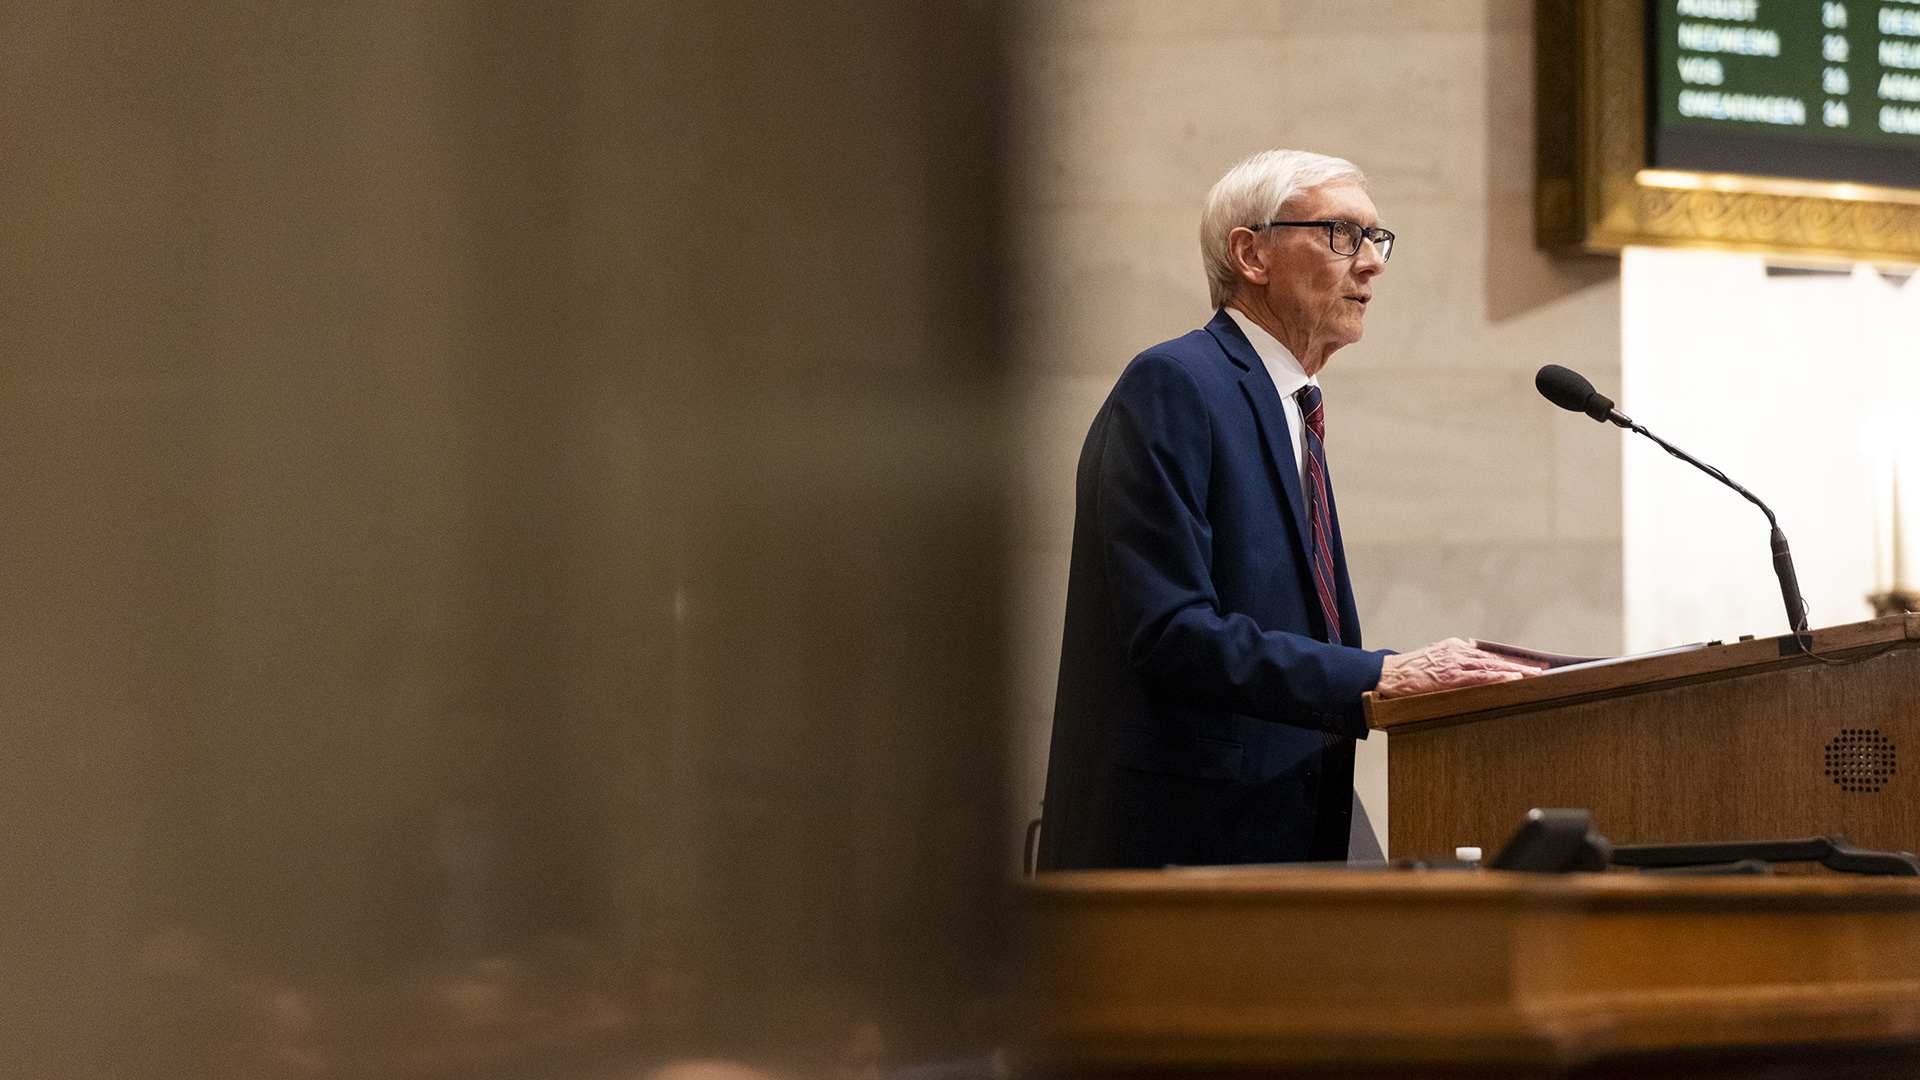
x=1154 y=472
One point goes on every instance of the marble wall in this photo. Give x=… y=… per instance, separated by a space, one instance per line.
x=1469 y=505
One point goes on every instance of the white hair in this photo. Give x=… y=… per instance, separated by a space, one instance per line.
x=1252 y=193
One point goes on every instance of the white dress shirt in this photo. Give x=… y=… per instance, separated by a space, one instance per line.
x=1288 y=377
x=1363 y=845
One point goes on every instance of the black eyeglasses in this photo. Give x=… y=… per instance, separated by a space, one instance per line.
x=1344 y=236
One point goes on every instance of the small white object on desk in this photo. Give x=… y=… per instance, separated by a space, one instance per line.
x=1467 y=854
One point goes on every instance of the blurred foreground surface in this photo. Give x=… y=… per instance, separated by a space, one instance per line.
x=500 y=539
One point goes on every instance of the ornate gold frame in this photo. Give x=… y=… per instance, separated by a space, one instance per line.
x=1593 y=191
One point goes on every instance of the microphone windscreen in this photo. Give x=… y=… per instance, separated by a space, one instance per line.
x=1564 y=387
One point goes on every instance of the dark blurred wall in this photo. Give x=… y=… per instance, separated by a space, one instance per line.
x=500 y=505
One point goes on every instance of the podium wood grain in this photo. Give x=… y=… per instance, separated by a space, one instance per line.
x=1219 y=971
x=1729 y=742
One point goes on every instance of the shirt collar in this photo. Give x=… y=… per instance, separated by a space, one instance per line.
x=1285 y=371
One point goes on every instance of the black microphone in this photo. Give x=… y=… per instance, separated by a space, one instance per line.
x=1571 y=391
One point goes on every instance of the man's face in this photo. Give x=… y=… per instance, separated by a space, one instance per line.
x=1316 y=294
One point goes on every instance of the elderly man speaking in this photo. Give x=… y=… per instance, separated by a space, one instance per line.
x=1211 y=672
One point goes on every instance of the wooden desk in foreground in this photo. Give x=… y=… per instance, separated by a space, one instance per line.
x=1321 y=973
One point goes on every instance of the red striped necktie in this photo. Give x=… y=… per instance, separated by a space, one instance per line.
x=1319 y=519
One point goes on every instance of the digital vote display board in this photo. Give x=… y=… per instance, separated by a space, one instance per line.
x=1825 y=90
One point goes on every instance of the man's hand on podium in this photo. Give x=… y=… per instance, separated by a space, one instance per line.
x=1444 y=665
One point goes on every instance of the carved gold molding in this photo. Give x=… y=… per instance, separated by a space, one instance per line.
x=1593 y=191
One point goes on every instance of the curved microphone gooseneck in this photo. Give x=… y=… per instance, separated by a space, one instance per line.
x=1571 y=391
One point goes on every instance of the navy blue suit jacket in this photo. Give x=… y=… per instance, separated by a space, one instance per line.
x=1196 y=688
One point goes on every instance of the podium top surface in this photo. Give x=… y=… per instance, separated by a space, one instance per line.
x=1715 y=661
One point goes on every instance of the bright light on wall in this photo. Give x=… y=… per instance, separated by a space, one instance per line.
x=1890 y=442
x=1782 y=382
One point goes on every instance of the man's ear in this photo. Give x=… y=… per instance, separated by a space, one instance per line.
x=1248 y=255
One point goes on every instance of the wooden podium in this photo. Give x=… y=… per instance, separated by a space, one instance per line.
x=1747 y=740
x=1249 y=971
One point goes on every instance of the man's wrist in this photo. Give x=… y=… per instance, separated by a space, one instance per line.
x=1385 y=656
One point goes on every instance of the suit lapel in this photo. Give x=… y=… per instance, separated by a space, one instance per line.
x=1257 y=385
